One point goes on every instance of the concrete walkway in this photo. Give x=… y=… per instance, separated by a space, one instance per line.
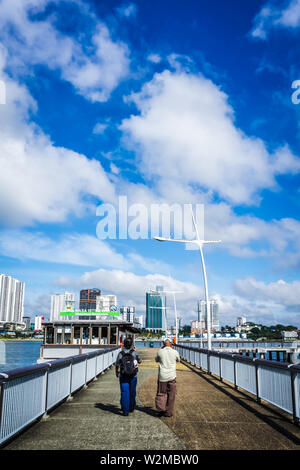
x=209 y=415
x=93 y=420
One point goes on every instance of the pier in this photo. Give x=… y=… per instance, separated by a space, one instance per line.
x=209 y=415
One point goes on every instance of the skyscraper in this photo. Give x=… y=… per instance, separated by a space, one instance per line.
x=202 y=314
x=11 y=299
x=127 y=313
x=88 y=299
x=156 y=310
x=61 y=303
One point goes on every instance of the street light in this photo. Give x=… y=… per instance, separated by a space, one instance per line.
x=200 y=244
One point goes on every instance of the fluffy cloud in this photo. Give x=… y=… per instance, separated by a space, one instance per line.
x=131 y=289
x=94 y=64
x=76 y=249
x=40 y=182
x=270 y=17
x=283 y=293
x=185 y=133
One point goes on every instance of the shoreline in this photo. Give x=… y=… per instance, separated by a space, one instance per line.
x=23 y=339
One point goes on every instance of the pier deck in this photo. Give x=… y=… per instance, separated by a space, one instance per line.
x=208 y=415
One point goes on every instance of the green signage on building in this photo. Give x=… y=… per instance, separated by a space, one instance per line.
x=89 y=314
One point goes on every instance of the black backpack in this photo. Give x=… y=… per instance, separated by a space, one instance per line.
x=128 y=368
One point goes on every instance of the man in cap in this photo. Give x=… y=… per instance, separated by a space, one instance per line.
x=166 y=384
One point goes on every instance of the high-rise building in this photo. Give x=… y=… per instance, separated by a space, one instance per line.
x=127 y=313
x=156 y=310
x=61 y=303
x=39 y=323
x=140 y=320
x=88 y=298
x=105 y=303
x=27 y=321
x=11 y=299
x=202 y=315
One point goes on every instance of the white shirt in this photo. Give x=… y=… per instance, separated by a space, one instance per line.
x=167 y=358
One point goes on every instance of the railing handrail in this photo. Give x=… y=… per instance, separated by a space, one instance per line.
x=6 y=376
x=241 y=358
x=291 y=376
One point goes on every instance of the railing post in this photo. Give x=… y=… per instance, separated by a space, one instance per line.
x=234 y=371
x=208 y=362
x=1 y=402
x=70 y=390
x=45 y=416
x=85 y=385
x=220 y=368
x=256 y=380
x=293 y=375
x=96 y=359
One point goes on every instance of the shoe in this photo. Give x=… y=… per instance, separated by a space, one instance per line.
x=131 y=411
x=125 y=414
x=160 y=414
x=167 y=416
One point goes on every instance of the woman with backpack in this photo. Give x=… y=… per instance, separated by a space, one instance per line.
x=126 y=369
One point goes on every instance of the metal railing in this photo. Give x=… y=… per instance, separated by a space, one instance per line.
x=274 y=382
x=29 y=393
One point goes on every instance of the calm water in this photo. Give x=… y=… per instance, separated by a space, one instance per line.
x=15 y=354
x=146 y=344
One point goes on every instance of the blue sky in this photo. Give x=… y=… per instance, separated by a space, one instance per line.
x=164 y=102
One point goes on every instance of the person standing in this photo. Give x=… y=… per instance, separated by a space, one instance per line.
x=166 y=383
x=126 y=370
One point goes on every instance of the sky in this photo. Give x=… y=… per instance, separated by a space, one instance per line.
x=169 y=103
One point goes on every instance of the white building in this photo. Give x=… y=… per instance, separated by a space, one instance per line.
x=140 y=320
x=240 y=321
x=105 y=303
x=61 y=303
x=11 y=299
x=202 y=314
x=196 y=326
x=39 y=323
x=127 y=314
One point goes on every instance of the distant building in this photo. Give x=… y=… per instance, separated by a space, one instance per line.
x=156 y=310
x=61 y=303
x=140 y=320
x=290 y=334
x=27 y=321
x=39 y=323
x=241 y=323
x=88 y=299
x=127 y=313
x=246 y=327
x=196 y=327
x=11 y=299
x=202 y=315
x=105 y=303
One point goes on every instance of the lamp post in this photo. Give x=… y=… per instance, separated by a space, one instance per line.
x=200 y=244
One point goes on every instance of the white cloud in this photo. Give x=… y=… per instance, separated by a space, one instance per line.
x=155 y=58
x=76 y=249
x=127 y=10
x=40 y=182
x=185 y=133
x=131 y=289
x=99 y=128
x=272 y=16
x=286 y=294
x=94 y=67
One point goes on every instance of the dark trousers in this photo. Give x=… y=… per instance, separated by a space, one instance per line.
x=165 y=396
x=128 y=393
